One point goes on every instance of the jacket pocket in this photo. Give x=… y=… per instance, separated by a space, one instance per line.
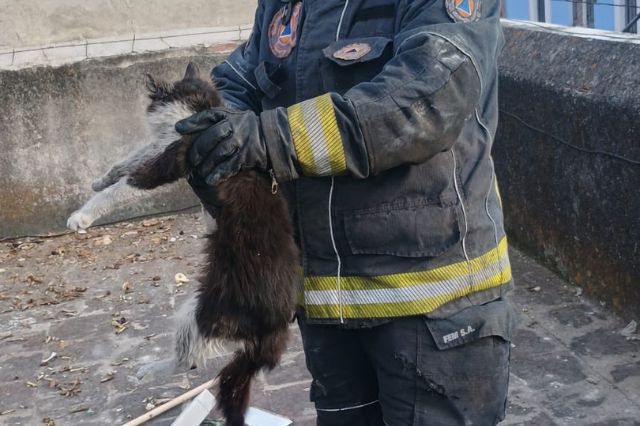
x=351 y=61
x=426 y=230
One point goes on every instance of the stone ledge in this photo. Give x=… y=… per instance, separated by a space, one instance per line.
x=74 y=51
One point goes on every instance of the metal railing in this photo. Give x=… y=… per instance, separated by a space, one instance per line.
x=615 y=15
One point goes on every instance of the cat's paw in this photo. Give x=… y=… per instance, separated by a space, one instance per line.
x=79 y=220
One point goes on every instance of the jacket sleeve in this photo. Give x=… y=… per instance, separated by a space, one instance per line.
x=413 y=109
x=235 y=76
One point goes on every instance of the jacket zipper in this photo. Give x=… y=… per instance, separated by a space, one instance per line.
x=333 y=240
x=335 y=249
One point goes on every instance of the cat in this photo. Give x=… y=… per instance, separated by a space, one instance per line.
x=248 y=291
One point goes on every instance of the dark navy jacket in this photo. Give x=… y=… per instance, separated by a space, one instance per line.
x=379 y=117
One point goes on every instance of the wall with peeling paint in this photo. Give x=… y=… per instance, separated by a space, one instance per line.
x=60 y=127
x=567 y=156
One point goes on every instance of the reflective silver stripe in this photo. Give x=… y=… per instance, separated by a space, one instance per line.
x=402 y=294
x=240 y=75
x=317 y=138
x=334 y=410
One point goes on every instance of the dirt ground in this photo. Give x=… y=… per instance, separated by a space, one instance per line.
x=81 y=313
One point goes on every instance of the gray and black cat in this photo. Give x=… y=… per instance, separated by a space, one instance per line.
x=247 y=293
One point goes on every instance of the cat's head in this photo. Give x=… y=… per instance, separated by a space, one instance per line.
x=171 y=102
x=195 y=92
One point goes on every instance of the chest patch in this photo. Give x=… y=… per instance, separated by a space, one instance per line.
x=463 y=10
x=283 y=37
x=352 y=52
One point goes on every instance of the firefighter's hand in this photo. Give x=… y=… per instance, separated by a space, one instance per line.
x=226 y=142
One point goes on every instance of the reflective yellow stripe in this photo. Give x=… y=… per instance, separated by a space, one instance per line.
x=300 y=139
x=316 y=137
x=455 y=270
x=410 y=293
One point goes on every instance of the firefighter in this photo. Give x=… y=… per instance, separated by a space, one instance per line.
x=377 y=118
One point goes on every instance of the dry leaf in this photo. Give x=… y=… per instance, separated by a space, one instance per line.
x=69 y=389
x=104 y=240
x=120 y=324
x=32 y=279
x=60 y=251
x=181 y=278
x=150 y=222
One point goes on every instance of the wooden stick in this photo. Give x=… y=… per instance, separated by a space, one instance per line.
x=170 y=404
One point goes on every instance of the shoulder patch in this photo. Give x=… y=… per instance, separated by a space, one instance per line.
x=463 y=10
x=283 y=37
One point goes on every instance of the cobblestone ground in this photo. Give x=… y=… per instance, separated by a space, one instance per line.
x=81 y=313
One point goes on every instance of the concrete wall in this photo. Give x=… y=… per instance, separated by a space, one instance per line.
x=43 y=22
x=61 y=127
x=567 y=155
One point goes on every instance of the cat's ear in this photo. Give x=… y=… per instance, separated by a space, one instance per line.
x=191 y=72
x=152 y=85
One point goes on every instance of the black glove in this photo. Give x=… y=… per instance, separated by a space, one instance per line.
x=228 y=142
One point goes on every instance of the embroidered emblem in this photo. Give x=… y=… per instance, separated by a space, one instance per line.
x=351 y=52
x=463 y=10
x=283 y=38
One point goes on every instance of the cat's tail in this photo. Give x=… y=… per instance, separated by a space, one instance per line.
x=235 y=378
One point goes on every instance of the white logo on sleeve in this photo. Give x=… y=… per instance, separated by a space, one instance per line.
x=447 y=338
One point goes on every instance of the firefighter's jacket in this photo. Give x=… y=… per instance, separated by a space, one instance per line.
x=379 y=117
